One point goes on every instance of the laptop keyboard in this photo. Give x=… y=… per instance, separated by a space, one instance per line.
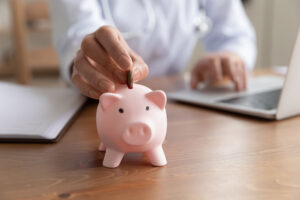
x=264 y=100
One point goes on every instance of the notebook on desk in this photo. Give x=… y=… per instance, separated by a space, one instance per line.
x=36 y=113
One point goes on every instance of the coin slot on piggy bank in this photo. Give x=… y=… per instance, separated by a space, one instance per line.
x=132 y=120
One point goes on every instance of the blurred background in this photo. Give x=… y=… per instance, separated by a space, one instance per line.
x=26 y=51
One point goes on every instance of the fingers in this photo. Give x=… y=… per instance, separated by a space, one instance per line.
x=210 y=68
x=139 y=68
x=216 y=66
x=194 y=81
x=113 y=72
x=216 y=69
x=230 y=70
x=198 y=73
x=93 y=49
x=244 y=76
x=84 y=87
x=240 y=76
x=107 y=48
x=94 y=78
x=113 y=43
x=102 y=62
x=235 y=70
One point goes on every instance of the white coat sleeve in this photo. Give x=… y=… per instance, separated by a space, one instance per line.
x=231 y=31
x=71 y=21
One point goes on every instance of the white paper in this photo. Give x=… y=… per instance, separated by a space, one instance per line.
x=36 y=112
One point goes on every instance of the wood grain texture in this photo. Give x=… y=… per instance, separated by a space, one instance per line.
x=211 y=155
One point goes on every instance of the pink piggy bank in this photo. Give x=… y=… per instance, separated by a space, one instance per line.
x=132 y=120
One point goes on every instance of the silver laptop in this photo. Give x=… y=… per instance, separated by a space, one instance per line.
x=270 y=97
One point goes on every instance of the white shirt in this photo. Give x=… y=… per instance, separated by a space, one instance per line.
x=167 y=48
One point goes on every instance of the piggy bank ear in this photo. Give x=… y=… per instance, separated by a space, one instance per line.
x=158 y=97
x=106 y=100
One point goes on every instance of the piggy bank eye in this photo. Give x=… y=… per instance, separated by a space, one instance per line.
x=121 y=110
x=147 y=108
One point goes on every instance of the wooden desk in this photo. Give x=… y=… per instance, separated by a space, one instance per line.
x=211 y=155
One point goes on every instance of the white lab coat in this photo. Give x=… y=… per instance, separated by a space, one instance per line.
x=168 y=47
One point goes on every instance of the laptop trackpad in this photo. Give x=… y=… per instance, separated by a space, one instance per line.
x=264 y=100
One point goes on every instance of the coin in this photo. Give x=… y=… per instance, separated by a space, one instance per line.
x=129 y=79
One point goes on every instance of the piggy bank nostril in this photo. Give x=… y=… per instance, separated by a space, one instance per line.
x=144 y=130
x=131 y=130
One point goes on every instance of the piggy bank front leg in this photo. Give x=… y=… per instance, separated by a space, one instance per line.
x=157 y=156
x=112 y=158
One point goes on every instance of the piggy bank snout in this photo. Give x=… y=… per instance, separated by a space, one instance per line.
x=137 y=134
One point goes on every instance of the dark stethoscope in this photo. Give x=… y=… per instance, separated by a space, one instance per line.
x=202 y=24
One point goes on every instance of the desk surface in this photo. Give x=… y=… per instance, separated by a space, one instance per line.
x=211 y=155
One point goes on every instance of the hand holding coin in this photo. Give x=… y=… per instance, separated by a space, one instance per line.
x=102 y=63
